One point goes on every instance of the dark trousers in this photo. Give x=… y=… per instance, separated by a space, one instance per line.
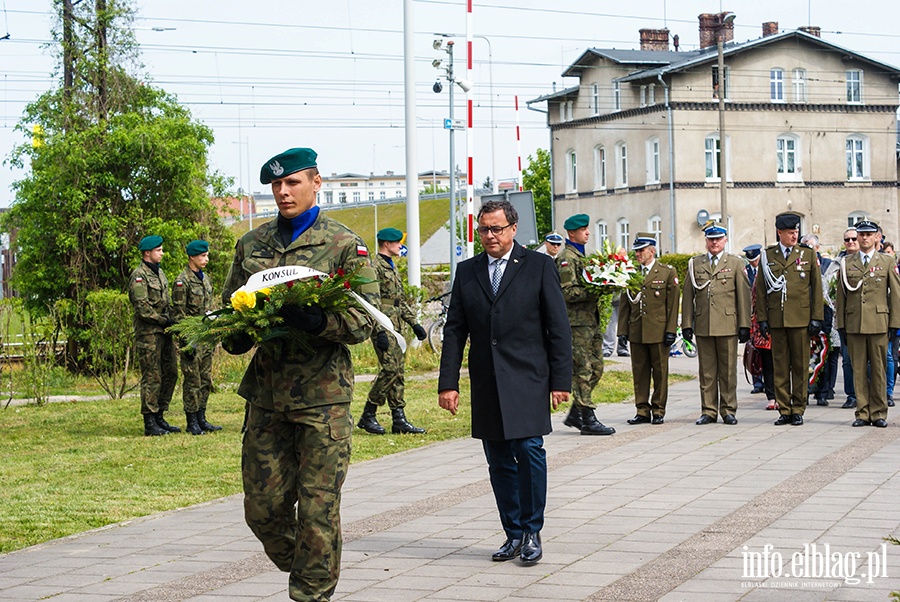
x=849 y=386
x=768 y=373
x=518 y=471
x=790 y=354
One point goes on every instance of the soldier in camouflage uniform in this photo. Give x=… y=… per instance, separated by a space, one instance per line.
x=193 y=296
x=389 y=385
x=587 y=338
x=148 y=291
x=296 y=447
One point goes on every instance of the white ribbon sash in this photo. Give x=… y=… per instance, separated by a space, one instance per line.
x=282 y=275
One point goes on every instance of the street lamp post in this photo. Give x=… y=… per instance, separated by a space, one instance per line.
x=725 y=19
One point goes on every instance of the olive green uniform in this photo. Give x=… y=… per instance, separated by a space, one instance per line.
x=789 y=316
x=866 y=314
x=296 y=447
x=715 y=304
x=192 y=296
x=645 y=319
x=148 y=291
x=389 y=384
x=584 y=319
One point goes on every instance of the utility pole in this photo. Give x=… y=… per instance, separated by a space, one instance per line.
x=102 y=58
x=68 y=51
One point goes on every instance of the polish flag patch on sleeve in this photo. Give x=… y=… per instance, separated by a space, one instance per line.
x=563 y=264
x=362 y=251
x=138 y=279
x=179 y=283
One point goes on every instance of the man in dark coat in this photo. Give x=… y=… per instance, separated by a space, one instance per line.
x=508 y=301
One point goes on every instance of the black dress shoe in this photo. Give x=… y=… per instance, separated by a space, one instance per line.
x=757 y=390
x=880 y=423
x=508 y=551
x=531 y=548
x=891 y=403
x=704 y=419
x=729 y=419
x=657 y=420
x=797 y=419
x=821 y=402
x=638 y=419
x=861 y=422
x=783 y=419
x=622 y=353
x=850 y=403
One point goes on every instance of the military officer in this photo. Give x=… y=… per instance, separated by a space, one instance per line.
x=715 y=307
x=866 y=305
x=296 y=448
x=192 y=295
x=148 y=291
x=790 y=308
x=649 y=320
x=389 y=384
x=584 y=319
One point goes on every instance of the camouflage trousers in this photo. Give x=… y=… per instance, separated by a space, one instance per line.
x=196 y=378
x=587 y=364
x=293 y=466
x=390 y=384
x=159 y=370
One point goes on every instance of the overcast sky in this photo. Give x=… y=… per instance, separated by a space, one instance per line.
x=270 y=75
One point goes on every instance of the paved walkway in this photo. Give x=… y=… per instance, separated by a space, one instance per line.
x=670 y=512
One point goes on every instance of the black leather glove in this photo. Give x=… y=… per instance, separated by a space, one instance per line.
x=815 y=327
x=623 y=339
x=669 y=339
x=308 y=318
x=743 y=335
x=687 y=334
x=238 y=344
x=381 y=341
x=420 y=332
x=764 y=329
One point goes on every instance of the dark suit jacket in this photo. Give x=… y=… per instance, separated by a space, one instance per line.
x=521 y=344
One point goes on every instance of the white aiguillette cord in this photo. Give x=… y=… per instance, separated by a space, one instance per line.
x=694 y=278
x=773 y=285
x=282 y=275
x=847 y=286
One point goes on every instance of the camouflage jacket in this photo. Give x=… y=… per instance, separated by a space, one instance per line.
x=149 y=295
x=190 y=295
x=324 y=375
x=393 y=298
x=581 y=302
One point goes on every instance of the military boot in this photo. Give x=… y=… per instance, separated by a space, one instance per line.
x=591 y=426
x=574 y=417
x=151 y=429
x=204 y=424
x=401 y=425
x=193 y=427
x=161 y=422
x=368 y=422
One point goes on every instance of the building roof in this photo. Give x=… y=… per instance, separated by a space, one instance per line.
x=626 y=57
x=561 y=93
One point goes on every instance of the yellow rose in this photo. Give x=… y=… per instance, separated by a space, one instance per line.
x=265 y=291
x=242 y=300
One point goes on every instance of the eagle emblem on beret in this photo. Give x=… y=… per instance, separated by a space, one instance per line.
x=276 y=168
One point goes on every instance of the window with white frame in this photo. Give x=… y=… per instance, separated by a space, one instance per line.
x=570 y=110
x=599 y=168
x=617 y=96
x=857 y=151
x=571 y=171
x=398 y=194
x=776 y=85
x=602 y=233
x=643 y=96
x=713 y=153
x=562 y=110
x=356 y=197
x=371 y=195
x=653 y=161
x=382 y=195
x=651 y=94
x=854 y=85
x=654 y=226
x=622 y=234
x=329 y=197
x=595 y=99
x=726 y=84
x=855 y=217
x=799 y=85
x=787 y=158
x=621 y=165
x=342 y=197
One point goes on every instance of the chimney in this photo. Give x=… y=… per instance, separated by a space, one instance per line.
x=655 y=39
x=675 y=42
x=709 y=27
x=813 y=30
x=770 y=28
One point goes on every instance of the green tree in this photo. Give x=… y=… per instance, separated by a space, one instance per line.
x=536 y=178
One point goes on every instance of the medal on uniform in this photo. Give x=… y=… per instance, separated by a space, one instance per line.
x=656 y=294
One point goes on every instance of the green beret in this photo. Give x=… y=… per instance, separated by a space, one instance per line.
x=390 y=235
x=579 y=220
x=148 y=243
x=288 y=162
x=197 y=247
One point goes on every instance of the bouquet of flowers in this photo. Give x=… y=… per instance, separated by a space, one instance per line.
x=254 y=309
x=609 y=272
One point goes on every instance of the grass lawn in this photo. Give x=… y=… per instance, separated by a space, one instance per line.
x=71 y=467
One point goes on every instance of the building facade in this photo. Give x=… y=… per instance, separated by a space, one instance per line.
x=810 y=127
